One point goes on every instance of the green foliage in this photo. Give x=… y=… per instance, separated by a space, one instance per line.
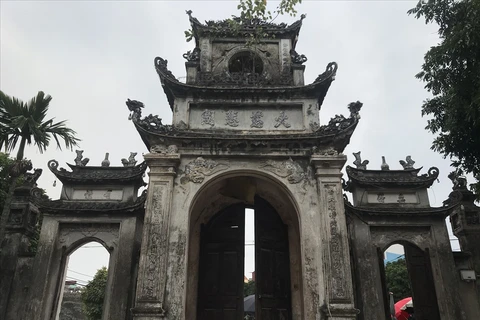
x=93 y=295
x=5 y=164
x=397 y=279
x=451 y=72
x=255 y=10
x=26 y=123
x=249 y=288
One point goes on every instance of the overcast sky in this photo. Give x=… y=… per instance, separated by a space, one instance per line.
x=93 y=55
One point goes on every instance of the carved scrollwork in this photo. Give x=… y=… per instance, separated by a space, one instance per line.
x=289 y=169
x=163 y=149
x=161 y=67
x=243 y=79
x=330 y=71
x=53 y=165
x=150 y=122
x=432 y=173
x=330 y=151
x=340 y=123
x=336 y=246
x=198 y=169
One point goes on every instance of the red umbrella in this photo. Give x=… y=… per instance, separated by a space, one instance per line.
x=400 y=307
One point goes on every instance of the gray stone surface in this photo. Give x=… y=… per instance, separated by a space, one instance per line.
x=72 y=307
x=235 y=137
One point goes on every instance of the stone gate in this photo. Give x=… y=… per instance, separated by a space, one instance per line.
x=246 y=133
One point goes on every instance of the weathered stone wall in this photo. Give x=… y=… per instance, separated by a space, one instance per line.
x=72 y=307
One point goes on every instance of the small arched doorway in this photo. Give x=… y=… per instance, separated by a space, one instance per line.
x=420 y=277
x=221 y=265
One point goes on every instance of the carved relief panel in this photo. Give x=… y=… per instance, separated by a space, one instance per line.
x=154 y=278
x=71 y=233
x=337 y=250
x=236 y=117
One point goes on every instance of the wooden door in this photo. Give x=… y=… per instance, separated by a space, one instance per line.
x=383 y=281
x=220 y=290
x=423 y=287
x=272 y=264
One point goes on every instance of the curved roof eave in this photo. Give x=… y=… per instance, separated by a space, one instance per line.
x=174 y=88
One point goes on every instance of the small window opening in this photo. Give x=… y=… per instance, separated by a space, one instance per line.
x=245 y=62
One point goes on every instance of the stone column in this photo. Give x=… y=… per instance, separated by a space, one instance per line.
x=121 y=268
x=339 y=302
x=152 y=273
x=46 y=268
x=21 y=218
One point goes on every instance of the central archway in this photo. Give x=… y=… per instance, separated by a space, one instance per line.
x=213 y=244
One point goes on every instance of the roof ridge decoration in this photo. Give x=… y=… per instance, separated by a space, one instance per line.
x=237 y=26
x=390 y=178
x=62 y=206
x=95 y=174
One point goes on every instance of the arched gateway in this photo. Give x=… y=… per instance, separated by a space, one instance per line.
x=245 y=134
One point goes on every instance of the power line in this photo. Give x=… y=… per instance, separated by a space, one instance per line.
x=83 y=274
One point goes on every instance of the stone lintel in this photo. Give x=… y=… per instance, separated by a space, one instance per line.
x=162 y=164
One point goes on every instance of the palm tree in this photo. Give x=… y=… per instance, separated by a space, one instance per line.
x=26 y=123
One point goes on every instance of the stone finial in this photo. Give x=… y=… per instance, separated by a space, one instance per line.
x=408 y=164
x=358 y=161
x=384 y=165
x=297 y=58
x=106 y=162
x=192 y=55
x=354 y=108
x=30 y=179
x=458 y=179
x=79 y=161
x=135 y=108
x=131 y=162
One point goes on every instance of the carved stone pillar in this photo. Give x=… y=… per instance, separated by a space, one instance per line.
x=339 y=303
x=152 y=273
